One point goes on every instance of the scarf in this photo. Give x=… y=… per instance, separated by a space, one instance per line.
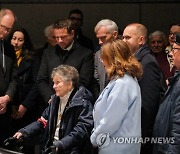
x=19 y=56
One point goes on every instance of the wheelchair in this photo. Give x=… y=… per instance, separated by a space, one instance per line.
x=12 y=146
x=15 y=146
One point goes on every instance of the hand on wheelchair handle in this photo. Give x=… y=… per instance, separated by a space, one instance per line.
x=12 y=143
x=50 y=150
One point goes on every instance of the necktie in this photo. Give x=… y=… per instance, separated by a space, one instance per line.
x=1 y=54
x=2 y=58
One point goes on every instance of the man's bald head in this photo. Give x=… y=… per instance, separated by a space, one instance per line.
x=135 y=34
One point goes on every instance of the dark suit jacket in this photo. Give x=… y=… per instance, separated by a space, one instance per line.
x=8 y=78
x=99 y=72
x=79 y=57
x=151 y=89
x=8 y=83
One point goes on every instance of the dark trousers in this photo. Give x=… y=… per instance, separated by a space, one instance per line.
x=6 y=130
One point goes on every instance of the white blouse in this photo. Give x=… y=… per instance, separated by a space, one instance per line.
x=62 y=105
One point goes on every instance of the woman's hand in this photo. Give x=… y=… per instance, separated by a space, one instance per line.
x=20 y=112
x=18 y=135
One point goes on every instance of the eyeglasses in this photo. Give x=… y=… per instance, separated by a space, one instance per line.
x=172 y=34
x=174 y=50
x=5 y=28
x=74 y=18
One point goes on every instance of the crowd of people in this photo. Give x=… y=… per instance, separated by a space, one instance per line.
x=68 y=98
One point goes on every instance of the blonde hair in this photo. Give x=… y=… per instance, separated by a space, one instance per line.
x=120 y=60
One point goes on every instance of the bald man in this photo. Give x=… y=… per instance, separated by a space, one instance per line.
x=135 y=35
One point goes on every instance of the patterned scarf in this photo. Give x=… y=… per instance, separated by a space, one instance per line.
x=19 y=56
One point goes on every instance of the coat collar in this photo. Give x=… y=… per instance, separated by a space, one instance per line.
x=173 y=79
x=144 y=50
x=79 y=93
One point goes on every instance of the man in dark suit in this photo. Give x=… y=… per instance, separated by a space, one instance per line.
x=135 y=35
x=67 y=51
x=7 y=72
x=106 y=30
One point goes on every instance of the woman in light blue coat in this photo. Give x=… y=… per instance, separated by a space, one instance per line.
x=117 y=111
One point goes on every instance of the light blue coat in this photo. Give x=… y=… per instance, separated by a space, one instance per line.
x=117 y=113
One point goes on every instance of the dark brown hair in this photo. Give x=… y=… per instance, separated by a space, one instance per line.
x=66 y=24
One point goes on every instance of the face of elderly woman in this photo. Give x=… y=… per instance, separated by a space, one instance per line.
x=60 y=86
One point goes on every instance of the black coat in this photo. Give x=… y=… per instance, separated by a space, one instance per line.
x=27 y=74
x=151 y=89
x=27 y=92
x=79 y=57
x=75 y=127
x=167 y=123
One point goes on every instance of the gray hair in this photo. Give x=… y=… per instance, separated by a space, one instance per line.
x=47 y=30
x=67 y=73
x=109 y=24
x=157 y=32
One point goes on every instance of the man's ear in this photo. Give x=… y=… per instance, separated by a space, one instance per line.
x=142 y=40
x=72 y=32
x=115 y=34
